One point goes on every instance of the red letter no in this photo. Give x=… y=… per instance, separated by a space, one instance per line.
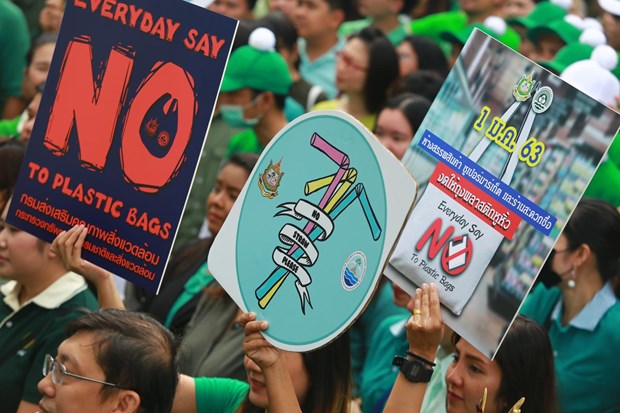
x=93 y=110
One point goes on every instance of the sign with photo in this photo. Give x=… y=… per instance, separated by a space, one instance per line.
x=502 y=158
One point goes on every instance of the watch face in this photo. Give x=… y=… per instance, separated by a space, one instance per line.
x=415 y=369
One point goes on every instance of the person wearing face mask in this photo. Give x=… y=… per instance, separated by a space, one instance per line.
x=581 y=313
x=253 y=93
x=522 y=368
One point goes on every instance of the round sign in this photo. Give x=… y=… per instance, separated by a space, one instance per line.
x=311 y=230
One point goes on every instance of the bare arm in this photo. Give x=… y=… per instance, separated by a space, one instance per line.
x=272 y=361
x=424 y=331
x=68 y=246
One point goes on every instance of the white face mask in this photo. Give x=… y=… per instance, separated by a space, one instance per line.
x=233 y=114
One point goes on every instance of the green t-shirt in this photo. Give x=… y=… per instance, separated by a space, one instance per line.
x=219 y=394
x=14 y=45
x=8 y=127
x=244 y=142
x=396 y=36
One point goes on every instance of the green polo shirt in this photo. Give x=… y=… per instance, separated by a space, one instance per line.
x=585 y=350
x=30 y=331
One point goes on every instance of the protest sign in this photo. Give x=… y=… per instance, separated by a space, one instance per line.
x=502 y=158
x=307 y=239
x=120 y=128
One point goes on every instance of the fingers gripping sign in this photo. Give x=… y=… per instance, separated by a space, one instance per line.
x=425 y=326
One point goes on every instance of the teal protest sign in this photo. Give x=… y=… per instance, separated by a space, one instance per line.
x=308 y=237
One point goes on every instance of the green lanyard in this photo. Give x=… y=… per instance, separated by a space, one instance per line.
x=193 y=286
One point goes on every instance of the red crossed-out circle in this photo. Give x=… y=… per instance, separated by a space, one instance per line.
x=468 y=250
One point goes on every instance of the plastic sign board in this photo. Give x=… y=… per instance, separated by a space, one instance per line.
x=502 y=158
x=308 y=238
x=121 y=125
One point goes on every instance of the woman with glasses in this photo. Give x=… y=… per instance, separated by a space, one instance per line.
x=581 y=313
x=365 y=67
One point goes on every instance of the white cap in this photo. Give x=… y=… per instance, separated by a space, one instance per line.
x=610 y=6
x=593 y=76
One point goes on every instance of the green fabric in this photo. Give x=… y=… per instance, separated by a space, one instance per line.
x=256 y=69
x=543 y=12
x=616 y=71
x=219 y=395
x=368 y=120
x=396 y=36
x=8 y=127
x=454 y=22
x=213 y=153
x=586 y=362
x=378 y=375
x=606 y=181
x=193 y=286
x=362 y=332
x=32 y=10
x=510 y=38
x=14 y=45
x=566 y=56
x=432 y=26
x=26 y=337
x=244 y=142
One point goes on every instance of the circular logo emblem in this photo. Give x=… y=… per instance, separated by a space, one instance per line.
x=457 y=255
x=353 y=271
x=542 y=99
x=163 y=139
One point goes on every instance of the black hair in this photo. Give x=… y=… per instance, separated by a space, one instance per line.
x=596 y=223
x=282 y=27
x=329 y=372
x=421 y=82
x=430 y=55
x=42 y=40
x=279 y=100
x=525 y=354
x=407 y=6
x=11 y=156
x=135 y=352
x=525 y=359
x=414 y=107
x=242 y=37
x=347 y=6
x=383 y=67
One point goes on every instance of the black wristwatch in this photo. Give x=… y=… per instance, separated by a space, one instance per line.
x=415 y=370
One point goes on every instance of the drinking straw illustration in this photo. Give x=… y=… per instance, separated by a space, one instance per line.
x=302 y=251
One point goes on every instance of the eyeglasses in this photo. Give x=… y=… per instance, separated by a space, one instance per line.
x=348 y=60
x=59 y=372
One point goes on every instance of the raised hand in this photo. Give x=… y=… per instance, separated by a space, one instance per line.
x=255 y=346
x=425 y=326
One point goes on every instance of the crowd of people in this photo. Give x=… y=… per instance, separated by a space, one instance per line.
x=104 y=346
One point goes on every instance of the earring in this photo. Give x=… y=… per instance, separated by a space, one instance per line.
x=571 y=282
